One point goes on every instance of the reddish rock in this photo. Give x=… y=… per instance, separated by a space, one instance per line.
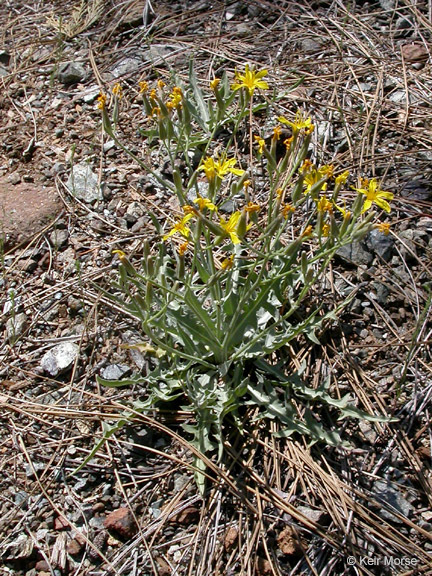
x=60 y=523
x=42 y=565
x=25 y=210
x=121 y=524
x=189 y=515
x=415 y=52
x=288 y=542
x=75 y=547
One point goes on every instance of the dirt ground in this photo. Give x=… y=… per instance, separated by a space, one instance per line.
x=362 y=70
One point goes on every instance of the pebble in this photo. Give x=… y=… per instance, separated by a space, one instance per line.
x=121 y=524
x=114 y=371
x=83 y=183
x=59 y=237
x=59 y=358
x=71 y=73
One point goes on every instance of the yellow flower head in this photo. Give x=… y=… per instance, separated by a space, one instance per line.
x=214 y=84
x=230 y=227
x=287 y=210
x=250 y=80
x=374 y=195
x=324 y=205
x=188 y=209
x=227 y=264
x=117 y=90
x=261 y=143
x=247 y=184
x=219 y=168
x=120 y=254
x=313 y=177
x=182 y=248
x=288 y=142
x=307 y=231
x=176 y=98
x=102 y=99
x=180 y=227
x=153 y=94
x=277 y=132
x=204 y=203
x=279 y=192
x=299 y=123
x=161 y=84
x=327 y=170
x=384 y=227
x=251 y=208
x=341 y=179
x=306 y=166
x=143 y=86
x=325 y=230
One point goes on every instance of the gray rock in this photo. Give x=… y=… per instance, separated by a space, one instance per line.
x=158 y=53
x=127 y=67
x=115 y=371
x=15 y=326
x=32 y=471
x=355 y=253
x=389 y=494
x=3 y=71
x=60 y=358
x=381 y=244
x=83 y=183
x=71 y=73
x=59 y=237
x=319 y=516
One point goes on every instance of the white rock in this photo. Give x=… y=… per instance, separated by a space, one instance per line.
x=59 y=358
x=83 y=183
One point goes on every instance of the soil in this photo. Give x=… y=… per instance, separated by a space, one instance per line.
x=274 y=506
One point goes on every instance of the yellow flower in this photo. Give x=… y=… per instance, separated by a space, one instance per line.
x=250 y=208
x=219 y=168
x=306 y=166
x=182 y=248
x=117 y=90
x=143 y=86
x=247 y=184
x=153 y=94
x=102 y=99
x=342 y=178
x=313 y=177
x=287 y=210
x=176 y=98
x=120 y=254
x=230 y=227
x=288 y=142
x=300 y=123
x=279 y=192
x=156 y=111
x=250 y=80
x=261 y=143
x=384 y=227
x=227 y=264
x=324 y=205
x=327 y=170
x=277 y=131
x=187 y=209
x=161 y=84
x=214 y=84
x=307 y=231
x=325 y=230
x=181 y=227
x=374 y=195
x=204 y=203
